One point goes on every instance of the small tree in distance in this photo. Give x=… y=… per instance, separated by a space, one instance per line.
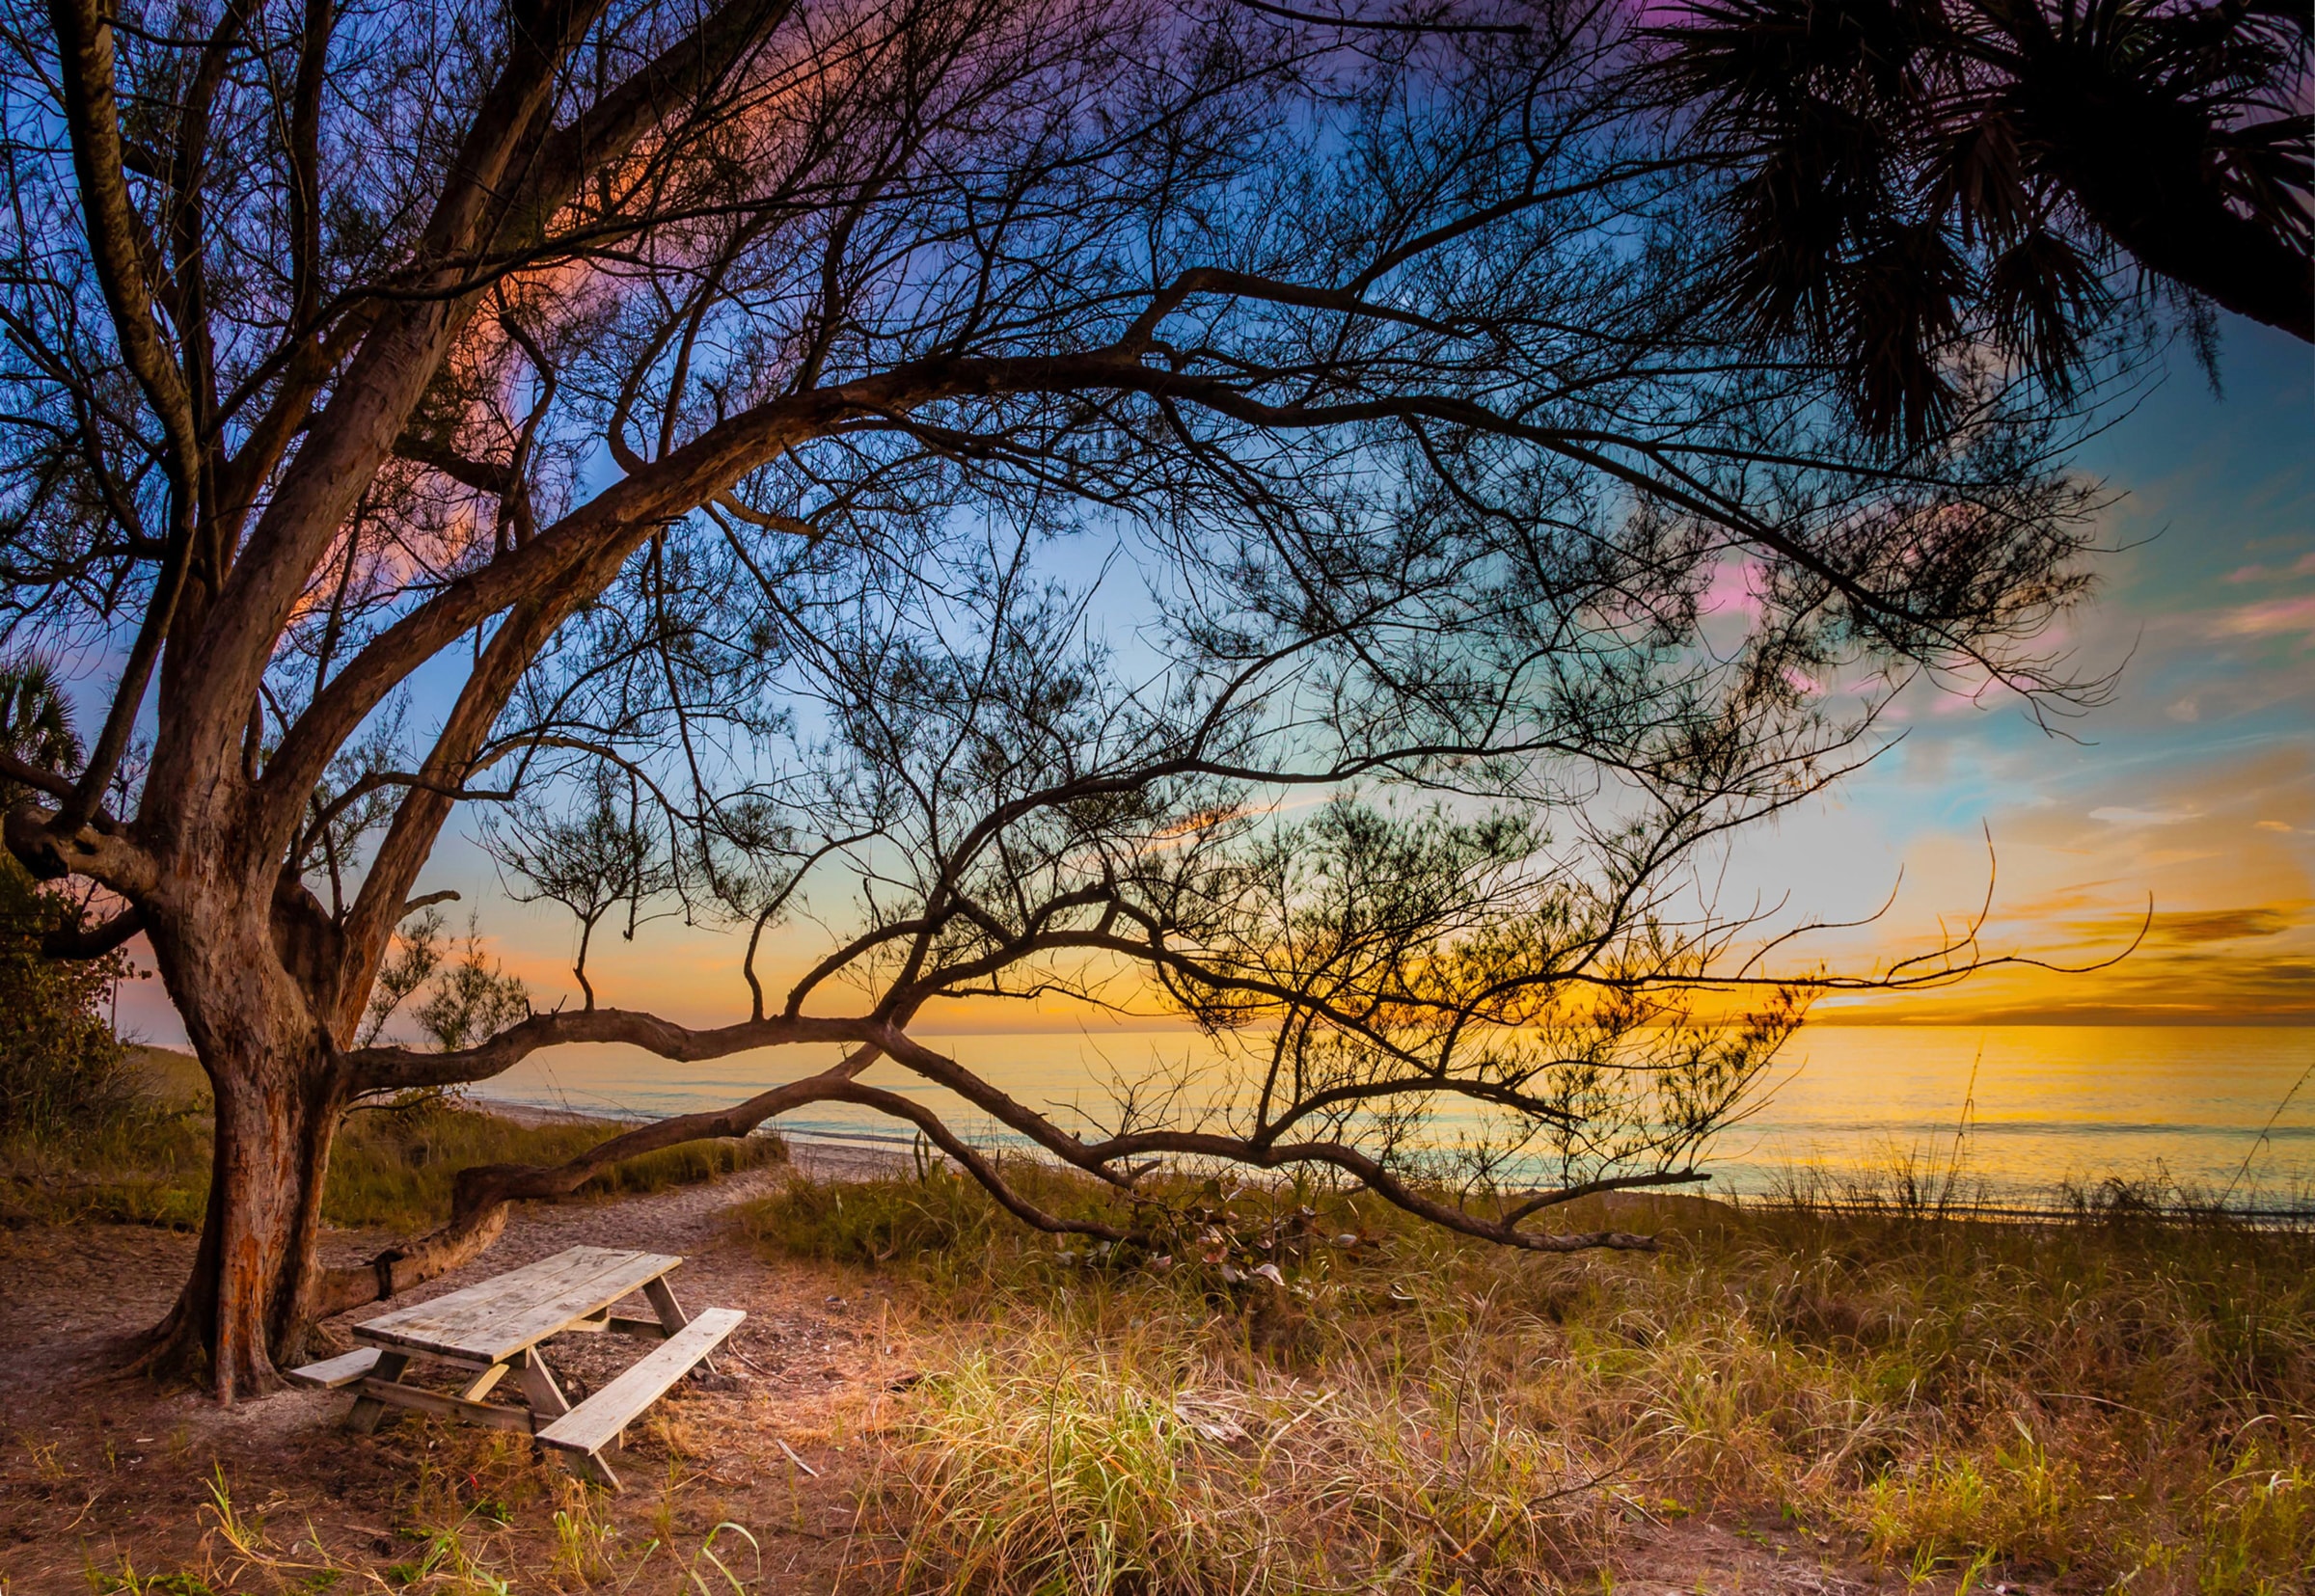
x=1112 y=501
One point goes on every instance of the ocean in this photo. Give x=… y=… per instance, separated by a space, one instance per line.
x=2025 y=1108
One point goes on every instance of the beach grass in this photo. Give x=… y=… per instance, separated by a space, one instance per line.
x=2118 y=1396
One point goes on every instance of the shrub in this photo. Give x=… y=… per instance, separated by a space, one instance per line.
x=394 y=1168
x=60 y=1067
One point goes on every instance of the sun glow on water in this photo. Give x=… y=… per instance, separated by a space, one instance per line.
x=2044 y=1104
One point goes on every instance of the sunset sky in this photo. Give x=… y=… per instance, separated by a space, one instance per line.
x=2194 y=787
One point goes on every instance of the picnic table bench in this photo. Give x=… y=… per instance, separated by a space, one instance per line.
x=493 y=1329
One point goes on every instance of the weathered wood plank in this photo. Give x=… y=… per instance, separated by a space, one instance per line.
x=482 y=1385
x=496 y=1319
x=597 y=1421
x=662 y=1297
x=534 y=1281
x=367 y=1409
x=672 y=1316
x=342 y=1370
x=536 y=1324
x=539 y=1390
x=417 y=1397
x=455 y=1317
x=618 y=1324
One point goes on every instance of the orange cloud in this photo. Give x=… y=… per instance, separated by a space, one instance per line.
x=2220 y=853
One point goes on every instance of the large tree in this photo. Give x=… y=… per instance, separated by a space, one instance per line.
x=702 y=437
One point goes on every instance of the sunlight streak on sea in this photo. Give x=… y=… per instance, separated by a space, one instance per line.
x=2196 y=1105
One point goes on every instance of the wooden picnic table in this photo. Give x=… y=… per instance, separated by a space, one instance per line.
x=495 y=1328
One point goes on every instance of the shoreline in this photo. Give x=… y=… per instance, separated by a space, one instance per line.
x=822 y=1157
x=825 y=1157
x=2031 y=1131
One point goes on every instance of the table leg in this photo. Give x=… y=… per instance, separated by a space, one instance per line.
x=483 y=1383
x=672 y=1316
x=587 y=1466
x=546 y=1398
x=547 y=1404
x=369 y=1412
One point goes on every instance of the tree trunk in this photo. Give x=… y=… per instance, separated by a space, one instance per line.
x=280 y=1088
x=2139 y=163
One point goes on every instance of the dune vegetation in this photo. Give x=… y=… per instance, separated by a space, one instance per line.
x=1296 y=1388
x=2119 y=1397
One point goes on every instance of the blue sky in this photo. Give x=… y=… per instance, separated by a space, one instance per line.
x=2195 y=788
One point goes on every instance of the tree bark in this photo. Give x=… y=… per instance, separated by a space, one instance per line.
x=280 y=1085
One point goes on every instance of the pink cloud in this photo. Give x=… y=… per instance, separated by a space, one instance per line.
x=2270 y=617
x=1733 y=589
x=2303 y=566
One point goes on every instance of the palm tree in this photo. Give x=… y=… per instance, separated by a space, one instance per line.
x=36 y=720
x=1910 y=177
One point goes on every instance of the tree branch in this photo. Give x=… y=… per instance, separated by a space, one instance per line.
x=116 y=238
x=401 y=1068
x=92 y=942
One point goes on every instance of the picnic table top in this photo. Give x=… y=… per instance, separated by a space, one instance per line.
x=494 y=1319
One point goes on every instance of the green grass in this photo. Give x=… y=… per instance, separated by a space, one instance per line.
x=392 y=1168
x=2118 y=1401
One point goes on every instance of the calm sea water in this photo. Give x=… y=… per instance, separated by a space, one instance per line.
x=2045 y=1104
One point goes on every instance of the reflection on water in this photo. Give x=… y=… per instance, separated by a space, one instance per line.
x=2051 y=1102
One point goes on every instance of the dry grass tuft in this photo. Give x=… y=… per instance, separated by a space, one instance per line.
x=2121 y=1400
x=1153 y=1458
